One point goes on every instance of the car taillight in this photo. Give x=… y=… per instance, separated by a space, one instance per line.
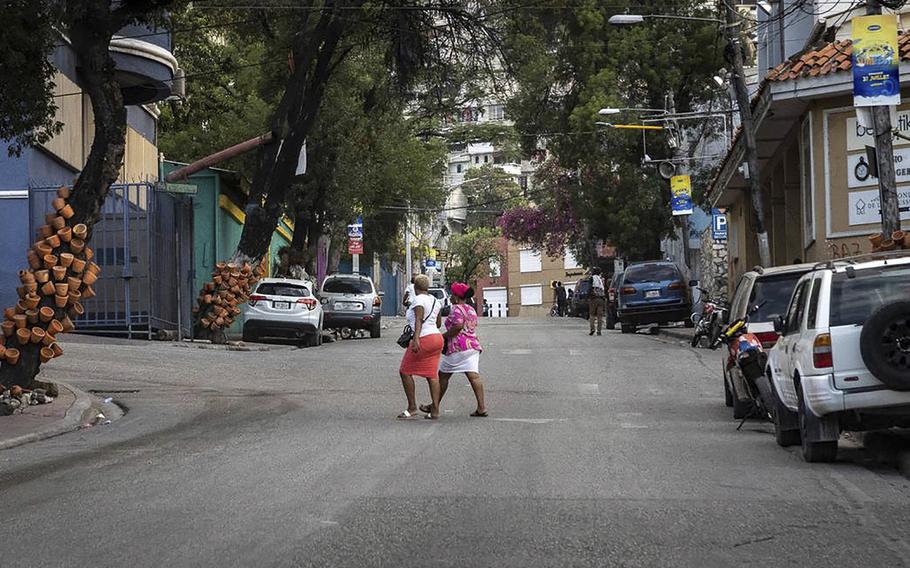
x=822 y=356
x=767 y=338
x=675 y=286
x=629 y=290
x=377 y=301
x=254 y=298
x=308 y=302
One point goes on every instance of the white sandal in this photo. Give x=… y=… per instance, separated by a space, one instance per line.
x=407 y=416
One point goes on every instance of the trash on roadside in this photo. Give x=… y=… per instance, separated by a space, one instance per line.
x=108 y=400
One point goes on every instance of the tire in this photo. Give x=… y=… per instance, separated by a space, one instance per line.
x=249 y=336
x=375 y=331
x=784 y=419
x=764 y=392
x=813 y=452
x=627 y=328
x=689 y=323
x=728 y=396
x=313 y=339
x=611 y=320
x=885 y=345
x=696 y=339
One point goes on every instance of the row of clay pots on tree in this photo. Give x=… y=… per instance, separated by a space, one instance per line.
x=60 y=276
x=899 y=240
x=220 y=298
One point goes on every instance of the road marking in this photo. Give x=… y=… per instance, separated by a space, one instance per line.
x=517 y=352
x=589 y=388
x=329 y=523
x=630 y=426
x=574 y=352
x=530 y=420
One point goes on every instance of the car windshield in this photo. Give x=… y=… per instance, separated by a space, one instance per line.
x=854 y=299
x=347 y=286
x=773 y=294
x=650 y=273
x=439 y=293
x=283 y=289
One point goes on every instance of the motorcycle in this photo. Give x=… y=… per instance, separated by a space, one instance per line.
x=745 y=365
x=708 y=323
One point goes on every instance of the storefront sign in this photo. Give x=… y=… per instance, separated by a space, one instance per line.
x=858 y=169
x=859 y=136
x=865 y=206
x=681 y=195
x=876 y=78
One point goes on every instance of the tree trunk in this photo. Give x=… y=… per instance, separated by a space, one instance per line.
x=90 y=28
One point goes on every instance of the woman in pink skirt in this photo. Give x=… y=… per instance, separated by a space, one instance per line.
x=421 y=358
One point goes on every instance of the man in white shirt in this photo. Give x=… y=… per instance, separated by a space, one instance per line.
x=409 y=294
x=597 y=301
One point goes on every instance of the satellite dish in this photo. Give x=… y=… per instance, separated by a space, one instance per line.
x=666 y=169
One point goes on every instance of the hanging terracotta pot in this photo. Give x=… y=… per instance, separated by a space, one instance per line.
x=31 y=316
x=33 y=259
x=52 y=241
x=89 y=278
x=58 y=223
x=67 y=212
x=77 y=246
x=219 y=265
x=207 y=299
x=38 y=335
x=74 y=283
x=80 y=231
x=58 y=351
x=55 y=327
x=9 y=314
x=48 y=339
x=65 y=234
x=66 y=259
x=59 y=273
x=31 y=287
x=60 y=301
x=31 y=302
x=62 y=288
x=875 y=239
x=42 y=276
x=49 y=218
x=898 y=237
x=25 y=276
x=44 y=231
x=93 y=268
x=68 y=325
x=21 y=292
x=46 y=354
x=21 y=320
x=23 y=335
x=46 y=314
x=89 y=253
x=76 y=310
x=63 y=192
x=48 y=289
x=12 y=356
x=9 y=328
x=78 y=266
x=2 y=352
x=58 y=203
x=88 y=292
x=888 y=245
x=50 y=261
x=216 y=279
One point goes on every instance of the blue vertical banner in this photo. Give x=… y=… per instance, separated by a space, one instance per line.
x=719 y=224
x=681 y=195
x=876 y=60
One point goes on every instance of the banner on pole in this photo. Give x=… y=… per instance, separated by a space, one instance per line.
x=355 y=246
x=681 y=195
x=876 y=60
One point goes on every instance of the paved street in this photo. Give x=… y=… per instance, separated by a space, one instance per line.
x=599 y=451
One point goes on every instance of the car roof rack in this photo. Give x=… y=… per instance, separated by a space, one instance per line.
x=877 y=255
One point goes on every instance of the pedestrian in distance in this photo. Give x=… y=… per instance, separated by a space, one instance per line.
x=462 y=348
x=597 y=302
x=561 y=299
x=408 y=294
x=421 y=358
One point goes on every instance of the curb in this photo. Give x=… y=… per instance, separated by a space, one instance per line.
x=682 y=334
x=71 y=421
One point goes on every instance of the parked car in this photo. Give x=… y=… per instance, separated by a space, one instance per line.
x=652 y=293
x=769 y=289
x=578 y=307
x=443 y=296
x=283 y=307
x=613 y=300
x=351 y=301
x=843 y=359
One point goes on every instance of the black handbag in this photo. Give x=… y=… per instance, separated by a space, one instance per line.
x=407 y=334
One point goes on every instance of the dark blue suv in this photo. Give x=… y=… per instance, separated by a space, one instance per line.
x=652 y=293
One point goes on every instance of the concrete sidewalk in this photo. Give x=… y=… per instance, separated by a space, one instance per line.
x=43 y=421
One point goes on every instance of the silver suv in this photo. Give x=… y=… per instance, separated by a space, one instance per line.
x=282 y=307
x=351 y=301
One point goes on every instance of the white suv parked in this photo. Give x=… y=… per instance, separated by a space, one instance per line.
x=843 y=359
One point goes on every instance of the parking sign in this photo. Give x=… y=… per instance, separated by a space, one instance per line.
x=719 y=224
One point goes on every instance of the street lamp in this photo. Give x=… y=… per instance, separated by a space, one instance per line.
x=632 y=19
x=609 y=110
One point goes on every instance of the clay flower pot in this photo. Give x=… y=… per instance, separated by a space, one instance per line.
x=74 y=283
x=88 y=292
x=46 y=314
x=63 y=192
x=20 y=307
x=906 y=241
x=59 y=273
x=888 y=245
x=77 y=245
x=21 y=292
x=66 y=259
x=46 y=354
x=31 y=287
x=42 y=276
x=33 y=260
x=75 y=297
x=48 y=289
x=9 y=313
x=23 y=335
x=31 y=316
x=50 y=261
x=38 y=335
x=80 y=231
x=58 y=203
x=68 y=325
x=76 y=310
x=61 y=288
x=25 y=276
x=58 y=223
x=89 y=278
x=65 y=234
x=93 y=268
x=60 y=301
x=20 y=320
x=55 y=327
x=31 y=302
x=12 y=356
x=44 y=231
x=58 y=351
x=898 y=237
x=89 y=253
x=49 y=218
x=52 y=241
x=875 y=239
x=217 y=280
x=67 y=212
x=9 y=328
x=78 y=266
x=48 y=339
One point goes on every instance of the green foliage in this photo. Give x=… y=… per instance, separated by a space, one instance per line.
x=471 y=253
x=488 y=190
x=27 y=103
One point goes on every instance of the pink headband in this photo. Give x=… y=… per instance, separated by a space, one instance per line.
x=460 y=289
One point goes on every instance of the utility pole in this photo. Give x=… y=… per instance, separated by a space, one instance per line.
x=682 y=168
x=884 y=151
x=732 y=32
x=407 y=243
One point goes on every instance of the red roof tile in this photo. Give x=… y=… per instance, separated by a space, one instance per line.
x=830 y=58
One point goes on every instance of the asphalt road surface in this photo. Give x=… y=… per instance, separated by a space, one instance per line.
x=599 y=451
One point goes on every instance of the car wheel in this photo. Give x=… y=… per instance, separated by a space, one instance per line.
x=611 y=319
x=813 y=451
x=375 y=331
x=627 y=328
x=786 y=422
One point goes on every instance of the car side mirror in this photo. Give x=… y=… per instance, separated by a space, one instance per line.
x=778 y=324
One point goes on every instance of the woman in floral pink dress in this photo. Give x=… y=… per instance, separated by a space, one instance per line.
x=462 y=348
